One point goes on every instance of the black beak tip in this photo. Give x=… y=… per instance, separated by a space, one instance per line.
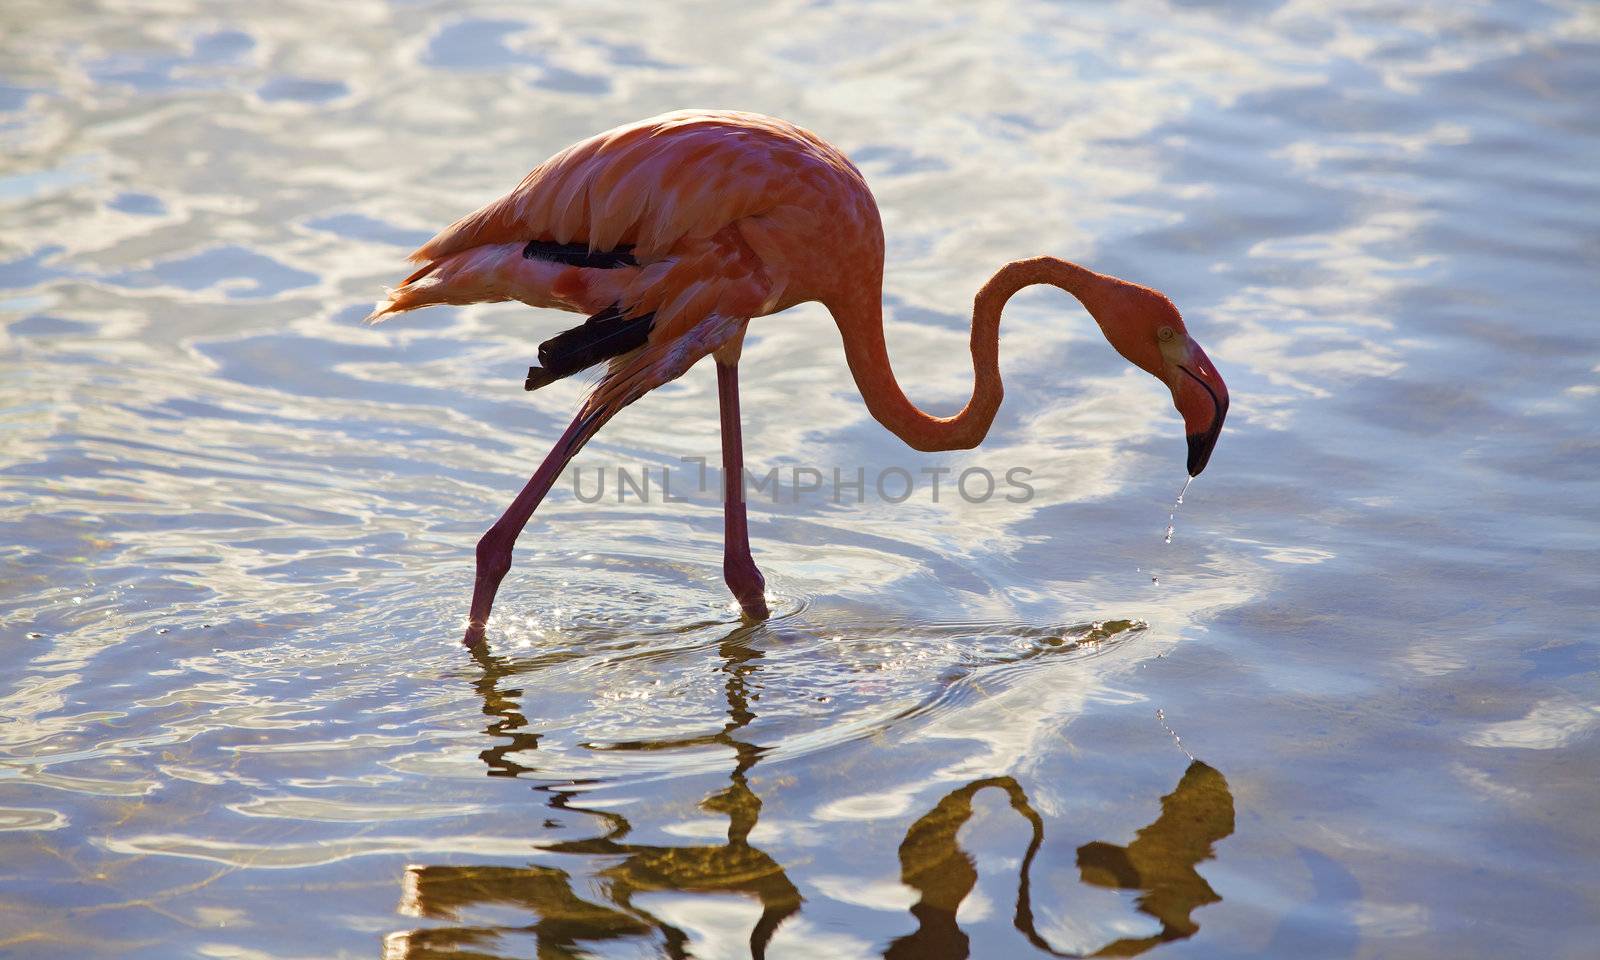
x=1200 y=446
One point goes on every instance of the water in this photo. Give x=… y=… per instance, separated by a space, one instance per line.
x=236 y=527
x=1172 y=515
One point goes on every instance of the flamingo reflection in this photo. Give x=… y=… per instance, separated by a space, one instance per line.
x=1160 y=863
x=568 y=920
x=565 y=919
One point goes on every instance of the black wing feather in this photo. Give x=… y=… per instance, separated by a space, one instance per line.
x=605 y=335
x=579 y=255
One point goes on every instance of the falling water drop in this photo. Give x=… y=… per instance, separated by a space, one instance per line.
x=1161 y=718
x=1172 y=516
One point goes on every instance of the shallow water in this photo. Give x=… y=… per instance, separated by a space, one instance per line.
x=238 y=526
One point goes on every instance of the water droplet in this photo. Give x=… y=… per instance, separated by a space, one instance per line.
x=1161 y=718
x=1173 y=514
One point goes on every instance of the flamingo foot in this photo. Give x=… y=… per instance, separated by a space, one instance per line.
x=755 y=608
x=494 y=562
x=749 y=587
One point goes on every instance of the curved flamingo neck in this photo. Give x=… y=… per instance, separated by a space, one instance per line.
x=861 y=325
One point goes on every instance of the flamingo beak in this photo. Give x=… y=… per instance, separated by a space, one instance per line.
x=1202 y=398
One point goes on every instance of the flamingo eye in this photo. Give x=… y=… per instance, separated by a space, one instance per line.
x=1166 y=334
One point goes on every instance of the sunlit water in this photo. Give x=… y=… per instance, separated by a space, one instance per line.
x=238 y=527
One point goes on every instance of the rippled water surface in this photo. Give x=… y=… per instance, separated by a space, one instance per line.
x=237 y=527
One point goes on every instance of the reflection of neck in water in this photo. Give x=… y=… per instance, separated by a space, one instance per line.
x=565 y=919
x=932 y=864
x=1160 y=862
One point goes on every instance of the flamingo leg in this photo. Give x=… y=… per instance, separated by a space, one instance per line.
x=738 y=567
x=494 y=549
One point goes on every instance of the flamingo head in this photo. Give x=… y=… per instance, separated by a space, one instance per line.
x=1145 y=327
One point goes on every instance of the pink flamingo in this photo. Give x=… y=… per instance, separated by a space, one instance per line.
x=672 y=233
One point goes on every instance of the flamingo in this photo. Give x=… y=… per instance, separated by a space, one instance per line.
x=672 y=233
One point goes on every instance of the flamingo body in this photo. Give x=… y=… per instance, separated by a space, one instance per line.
x=729 y=214
x=672 y=233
